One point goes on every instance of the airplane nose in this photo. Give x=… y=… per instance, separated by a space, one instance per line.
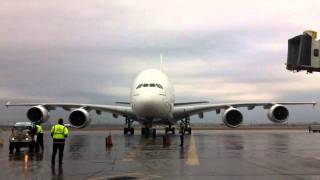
x=148 y=105
x=149 y=101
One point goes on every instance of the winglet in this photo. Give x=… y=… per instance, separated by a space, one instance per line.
x=314 y=103
x=8 y=104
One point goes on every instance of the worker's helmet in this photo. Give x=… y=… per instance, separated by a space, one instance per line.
x=60 y=121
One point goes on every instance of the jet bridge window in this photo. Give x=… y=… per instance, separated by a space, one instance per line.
x=316 y=52
x=145 y=85
x=152 y=85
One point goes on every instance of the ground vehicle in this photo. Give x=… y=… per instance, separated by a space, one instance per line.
x=22 y=136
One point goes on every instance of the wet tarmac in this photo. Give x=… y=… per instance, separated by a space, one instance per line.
x=239 y=154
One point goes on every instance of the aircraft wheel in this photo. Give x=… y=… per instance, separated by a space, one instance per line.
x=132 y=131
x=173 y=130
x=166 y=130
x=189 y=130
x=125 y=131
x=154 y=133
x=147 y=132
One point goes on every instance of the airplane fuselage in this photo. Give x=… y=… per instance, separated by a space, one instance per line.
x=152 y=97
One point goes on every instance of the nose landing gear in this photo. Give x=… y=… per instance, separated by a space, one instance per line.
x=146 y=131
x=172 y=129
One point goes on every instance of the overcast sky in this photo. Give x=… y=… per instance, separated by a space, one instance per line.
x=90 y=52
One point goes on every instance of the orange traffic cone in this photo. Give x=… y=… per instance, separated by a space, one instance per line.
x=109 y=142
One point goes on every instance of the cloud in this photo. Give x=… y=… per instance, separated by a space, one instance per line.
x=90 y=51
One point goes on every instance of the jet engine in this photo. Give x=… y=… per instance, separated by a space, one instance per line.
x=232 y=117
x=38 y=114
x=278 y=113
x=79 y=118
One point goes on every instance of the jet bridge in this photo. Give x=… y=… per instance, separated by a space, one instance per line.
x=303 y=52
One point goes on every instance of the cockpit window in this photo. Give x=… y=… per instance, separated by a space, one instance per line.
x=159 y=86
x=149 y=85
x=139 y=86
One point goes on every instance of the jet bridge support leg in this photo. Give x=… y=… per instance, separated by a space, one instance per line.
x=128 y=129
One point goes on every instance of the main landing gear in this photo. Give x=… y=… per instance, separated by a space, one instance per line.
x=128 y=129
x=185 y=126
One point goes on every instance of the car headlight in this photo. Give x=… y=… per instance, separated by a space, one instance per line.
x=12 y=139
x=27 y=139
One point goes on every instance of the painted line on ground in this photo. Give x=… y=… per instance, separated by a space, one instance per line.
x=193 y=159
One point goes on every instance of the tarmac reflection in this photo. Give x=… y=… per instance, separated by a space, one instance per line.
x=233 y=142
x=78 y=145
x=240 y=154
x=26 y=157
x=181 y=153
x=59 y=174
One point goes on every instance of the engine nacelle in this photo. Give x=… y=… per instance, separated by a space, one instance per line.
x=232 y=117
x=38 y=114
x=79 y=118
x=278 y=113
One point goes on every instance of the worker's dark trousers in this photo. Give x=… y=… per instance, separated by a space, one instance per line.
x=57 y=146
x=39 y=143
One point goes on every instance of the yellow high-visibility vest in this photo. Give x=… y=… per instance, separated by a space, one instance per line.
x=59 y=131
x=39 y=129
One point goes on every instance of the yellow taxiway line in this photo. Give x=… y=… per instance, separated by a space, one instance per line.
x=193 y=159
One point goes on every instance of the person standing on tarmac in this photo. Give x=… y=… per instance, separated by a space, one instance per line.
x=58 y=133
x=39 y=142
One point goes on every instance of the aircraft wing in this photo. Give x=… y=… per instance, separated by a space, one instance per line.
x=189 y=110
x=118 y=110
x=190 y=103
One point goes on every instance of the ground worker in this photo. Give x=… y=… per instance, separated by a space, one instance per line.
x=58 y=132
x=182 y=131
x=39 y=142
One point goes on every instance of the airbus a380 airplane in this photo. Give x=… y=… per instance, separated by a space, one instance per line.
x=153 y=103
